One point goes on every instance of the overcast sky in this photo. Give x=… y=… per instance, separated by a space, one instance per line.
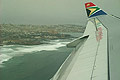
x=51 y=11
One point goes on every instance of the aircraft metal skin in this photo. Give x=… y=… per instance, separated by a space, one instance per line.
x=95 y=52
x=90 y=62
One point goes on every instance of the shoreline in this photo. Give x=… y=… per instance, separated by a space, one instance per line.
x=19 y=50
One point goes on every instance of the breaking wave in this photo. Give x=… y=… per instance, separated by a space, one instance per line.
x=9 y=51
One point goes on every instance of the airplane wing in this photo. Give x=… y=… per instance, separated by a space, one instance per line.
x=90 y=59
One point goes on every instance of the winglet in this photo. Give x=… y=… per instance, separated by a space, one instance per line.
x=92 y=10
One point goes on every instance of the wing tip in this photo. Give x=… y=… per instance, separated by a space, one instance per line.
x=92 y=10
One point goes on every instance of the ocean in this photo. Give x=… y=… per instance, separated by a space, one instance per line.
x=36 y=62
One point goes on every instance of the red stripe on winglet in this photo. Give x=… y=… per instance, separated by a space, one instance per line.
x=89 y=4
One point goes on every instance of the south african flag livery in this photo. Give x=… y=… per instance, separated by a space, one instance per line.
x=93 y=10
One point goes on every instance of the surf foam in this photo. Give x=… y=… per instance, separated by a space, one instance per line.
x=8 y=52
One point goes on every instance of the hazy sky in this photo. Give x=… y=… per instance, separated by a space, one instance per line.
x=51 y=11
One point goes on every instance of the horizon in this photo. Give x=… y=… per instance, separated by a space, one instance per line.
x=41 y=24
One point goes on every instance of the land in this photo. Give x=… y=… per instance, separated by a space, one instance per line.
x=35 y=34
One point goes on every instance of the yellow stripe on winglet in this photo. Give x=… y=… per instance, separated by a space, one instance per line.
x=92 y=10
